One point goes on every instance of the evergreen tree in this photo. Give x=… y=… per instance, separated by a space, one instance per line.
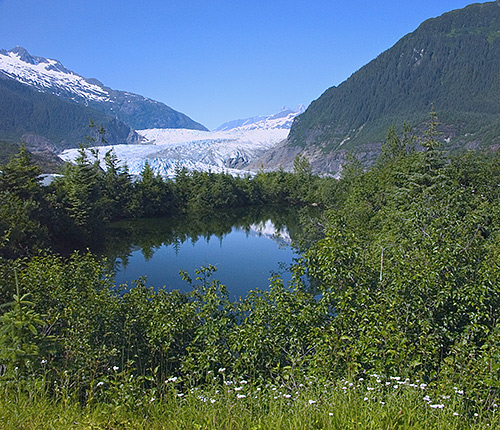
x=23 y=209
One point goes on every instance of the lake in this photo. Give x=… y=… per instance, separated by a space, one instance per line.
x=246 y=246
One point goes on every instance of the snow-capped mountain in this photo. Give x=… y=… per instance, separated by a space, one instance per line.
x=282 y=119
x=50 y=76
x=46 y=74
x=229 y=150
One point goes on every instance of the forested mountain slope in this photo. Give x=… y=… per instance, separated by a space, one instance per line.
x=451 y=63
x=46 y=121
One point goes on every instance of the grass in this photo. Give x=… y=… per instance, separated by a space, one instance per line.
x=388 y=404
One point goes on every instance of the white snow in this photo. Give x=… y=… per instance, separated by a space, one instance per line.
x=216 y=151
x=50 y=74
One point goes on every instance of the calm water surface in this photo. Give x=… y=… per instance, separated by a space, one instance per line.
x=247 y=248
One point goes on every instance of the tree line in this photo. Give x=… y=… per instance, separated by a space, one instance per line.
x=74 y=210
x=403 y=270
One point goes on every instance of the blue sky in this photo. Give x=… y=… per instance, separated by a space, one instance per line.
x=215 y=60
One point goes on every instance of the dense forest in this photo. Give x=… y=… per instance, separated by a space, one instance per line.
x=27 y=112
x=396 y=297
x=449 y=61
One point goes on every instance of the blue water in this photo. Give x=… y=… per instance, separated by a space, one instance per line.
x=244 y=261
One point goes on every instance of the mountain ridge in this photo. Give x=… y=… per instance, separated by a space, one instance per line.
x=449 y=62
x=31 y=116
x=283 y=113
x=48 y=75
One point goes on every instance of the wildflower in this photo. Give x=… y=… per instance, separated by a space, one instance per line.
x=331 y=414
x=222 y=370
x=396 y=387
x=238 y=388
x=460 y=392
x=152 y=399
x=43 y=361
x=212 y=401
x=396 y=378
x=370 y=388
x=455 y=414
x=243 y=382
x=172 y=379
x=361 y=379
x=382 y=403
x=441 y=406
x=240 y=396
x=365 y=399
x=287 y=396
x=228 y=382
x=100 y=383
x=344 y=388
x=422 y=386
x=180 y=395
x=312 y=402
x=115 y=368
x=427 y=399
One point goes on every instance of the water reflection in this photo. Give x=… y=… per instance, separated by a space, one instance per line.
x=247 y=246
x=268 y=229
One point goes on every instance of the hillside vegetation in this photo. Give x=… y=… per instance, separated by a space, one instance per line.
x=26 y=115
x=395 y=325
x=450 y=62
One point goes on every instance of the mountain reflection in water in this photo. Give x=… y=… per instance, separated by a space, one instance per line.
x=247 y=247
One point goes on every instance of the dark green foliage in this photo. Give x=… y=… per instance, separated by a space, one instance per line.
x=23 y=209
x=409 y=262
x=21 y=335
x=403 y=267
x=80 y=192
x=153 y=197
x=450 y=61
x=75 y=209
x=7 y=151
x=25 y=111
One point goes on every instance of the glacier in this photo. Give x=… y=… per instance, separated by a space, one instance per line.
x=228 y=149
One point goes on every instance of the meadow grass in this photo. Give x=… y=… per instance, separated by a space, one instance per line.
x=388 y=404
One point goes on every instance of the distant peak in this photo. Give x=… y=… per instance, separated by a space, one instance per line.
x=19 y=50
x=300 y=108
x=23 y=54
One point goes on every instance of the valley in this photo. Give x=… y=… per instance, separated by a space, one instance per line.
x=331 y=266
x=230 y=150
